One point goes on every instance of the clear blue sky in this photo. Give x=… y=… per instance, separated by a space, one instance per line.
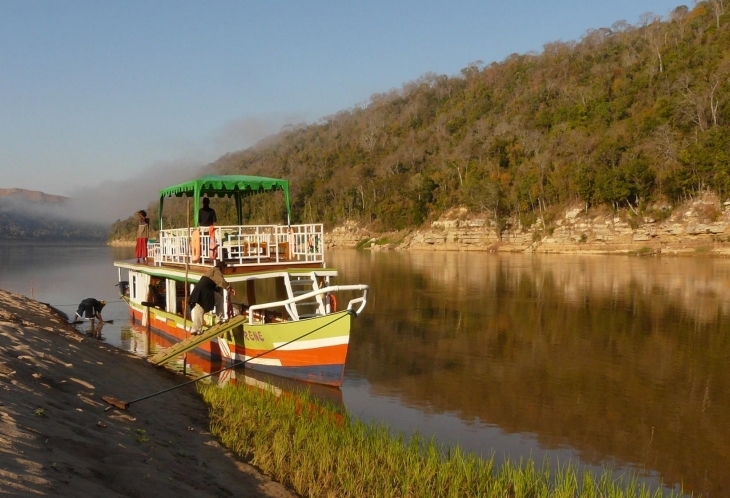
x=94 y=92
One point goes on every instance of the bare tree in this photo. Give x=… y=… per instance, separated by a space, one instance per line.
x=620 y=26
x=699 y=98
x=369 y=139
x=714 y=103
x=718 y=8
x=653 y=31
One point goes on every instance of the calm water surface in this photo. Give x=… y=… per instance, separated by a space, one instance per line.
x=606 y=361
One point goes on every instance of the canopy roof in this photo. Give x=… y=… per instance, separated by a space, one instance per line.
x=238 y=186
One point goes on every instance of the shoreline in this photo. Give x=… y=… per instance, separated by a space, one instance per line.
x=58 y=439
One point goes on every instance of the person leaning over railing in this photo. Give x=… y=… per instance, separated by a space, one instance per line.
x=202 y=299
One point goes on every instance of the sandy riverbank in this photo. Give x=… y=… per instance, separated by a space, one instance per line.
x=56 y=439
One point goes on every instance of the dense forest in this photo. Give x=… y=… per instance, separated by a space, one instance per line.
x=631 y=117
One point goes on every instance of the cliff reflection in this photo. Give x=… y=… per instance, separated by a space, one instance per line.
x=621 y=358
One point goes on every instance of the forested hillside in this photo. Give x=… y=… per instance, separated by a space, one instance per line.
x=631 y=117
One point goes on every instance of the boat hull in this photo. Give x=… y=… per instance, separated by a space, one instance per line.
x=311 y=350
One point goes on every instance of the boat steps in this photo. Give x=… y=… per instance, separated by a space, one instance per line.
x=194 y=341
x=301 y=281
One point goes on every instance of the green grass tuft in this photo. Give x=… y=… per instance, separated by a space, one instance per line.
x=317 y=451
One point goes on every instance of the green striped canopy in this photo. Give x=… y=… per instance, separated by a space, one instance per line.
x=237 y=186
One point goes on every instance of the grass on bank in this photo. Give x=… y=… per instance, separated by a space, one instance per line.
x=319 y=452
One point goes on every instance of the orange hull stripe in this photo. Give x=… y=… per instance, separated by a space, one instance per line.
x=328 y=355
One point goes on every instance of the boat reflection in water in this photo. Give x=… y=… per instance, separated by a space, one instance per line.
x=146 y=342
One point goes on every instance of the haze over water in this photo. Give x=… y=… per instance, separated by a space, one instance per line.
x=605 y=360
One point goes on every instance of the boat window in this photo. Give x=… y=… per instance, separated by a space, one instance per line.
x=180 y=297
x=157 y=292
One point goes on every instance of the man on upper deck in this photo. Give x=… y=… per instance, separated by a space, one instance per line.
x=206 y=215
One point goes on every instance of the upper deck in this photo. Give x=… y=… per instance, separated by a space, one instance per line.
x=241 y=245
x=244 y=248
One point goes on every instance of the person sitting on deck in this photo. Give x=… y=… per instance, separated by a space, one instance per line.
x=202 y=299
x=90 y=308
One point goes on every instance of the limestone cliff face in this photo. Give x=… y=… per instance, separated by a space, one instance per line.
x=698 y=227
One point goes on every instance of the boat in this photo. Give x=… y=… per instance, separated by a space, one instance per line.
x=144 y=341
x=287 y=317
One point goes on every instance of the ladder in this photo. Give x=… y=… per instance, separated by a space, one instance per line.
x=302 y=283
x=194 y=341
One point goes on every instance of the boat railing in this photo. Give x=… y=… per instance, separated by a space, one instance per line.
x=153 y=249
x=290 y=304
x=242 y=245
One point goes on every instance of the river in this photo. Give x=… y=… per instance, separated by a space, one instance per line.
x=605 y=361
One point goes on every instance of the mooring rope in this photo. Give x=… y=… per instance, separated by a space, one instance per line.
x=56 y=305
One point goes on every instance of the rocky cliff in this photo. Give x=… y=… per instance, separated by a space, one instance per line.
x=701 y=226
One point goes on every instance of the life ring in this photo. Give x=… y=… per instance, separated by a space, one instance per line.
x=333 y=303
x=213 y=245
x=195 y=246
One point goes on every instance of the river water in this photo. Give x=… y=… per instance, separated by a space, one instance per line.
x=606 y=361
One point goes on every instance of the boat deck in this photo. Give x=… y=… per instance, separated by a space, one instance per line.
x=240 y=245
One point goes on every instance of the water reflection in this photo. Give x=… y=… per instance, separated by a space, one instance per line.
x=616 y=361
x=623 y=360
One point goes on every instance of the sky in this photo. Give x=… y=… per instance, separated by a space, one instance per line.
x=109 y=101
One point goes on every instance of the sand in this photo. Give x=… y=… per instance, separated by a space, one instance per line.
x=58 y=439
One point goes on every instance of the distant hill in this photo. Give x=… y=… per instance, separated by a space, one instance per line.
x=34 y=215
x=32 y=195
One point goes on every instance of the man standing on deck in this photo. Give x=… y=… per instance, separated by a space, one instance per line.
x=206 y=215
x=90 y=308
x=202 y=299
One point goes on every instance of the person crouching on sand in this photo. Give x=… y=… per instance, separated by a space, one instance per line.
x=90 y=308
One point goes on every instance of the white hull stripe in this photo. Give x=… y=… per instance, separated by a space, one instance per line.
x=313 y=343
x=260 y=361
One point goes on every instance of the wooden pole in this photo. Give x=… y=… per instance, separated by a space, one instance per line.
x=187 y=269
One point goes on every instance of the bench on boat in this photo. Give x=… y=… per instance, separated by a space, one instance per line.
x=241 y=247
